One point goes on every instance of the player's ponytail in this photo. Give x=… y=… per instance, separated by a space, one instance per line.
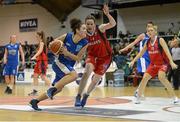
x=42 y=36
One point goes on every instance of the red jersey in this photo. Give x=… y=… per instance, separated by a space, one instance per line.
x=157 y=57
x=97 y=46
x=43 y=55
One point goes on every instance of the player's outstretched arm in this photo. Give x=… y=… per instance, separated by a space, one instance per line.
x=110 y=24
x=138 y=55
x=138 y=39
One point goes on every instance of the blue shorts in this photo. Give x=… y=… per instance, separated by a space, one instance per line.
x=60 y=70
x=142 y=65
x=10 y=69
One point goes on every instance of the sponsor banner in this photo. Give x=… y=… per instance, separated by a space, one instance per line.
x=27 y=25
x=20 y=76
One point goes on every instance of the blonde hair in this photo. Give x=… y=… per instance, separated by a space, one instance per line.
x=155 y=27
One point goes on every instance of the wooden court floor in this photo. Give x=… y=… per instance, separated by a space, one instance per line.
x=22 y=90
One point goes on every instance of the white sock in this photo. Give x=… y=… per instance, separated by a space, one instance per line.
x=35 y=87
x=10 y=86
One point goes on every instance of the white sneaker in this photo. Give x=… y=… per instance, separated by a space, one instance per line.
x=137 y=98
x=175 y=100
x=33 y=93
x=142 y=97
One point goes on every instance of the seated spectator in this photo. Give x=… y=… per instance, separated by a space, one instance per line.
x=127 y=73
x=121 y=35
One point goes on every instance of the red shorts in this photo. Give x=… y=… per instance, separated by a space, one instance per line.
x=100 y=64
x=154 y=69
x=41 y=67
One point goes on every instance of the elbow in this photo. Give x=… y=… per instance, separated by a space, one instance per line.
x=113 y=24
x=78 y=59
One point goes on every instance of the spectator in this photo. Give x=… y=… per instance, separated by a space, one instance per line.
x=176 y=58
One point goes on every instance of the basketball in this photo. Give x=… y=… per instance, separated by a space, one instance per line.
x=55 y=46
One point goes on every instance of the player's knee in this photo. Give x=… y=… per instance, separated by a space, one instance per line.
x=95 y=81
x=43 y=77
x=35 y=75
x=89 y=67
x=87 y=70
x=85 y=74
x=74 y=75
x=161 y=77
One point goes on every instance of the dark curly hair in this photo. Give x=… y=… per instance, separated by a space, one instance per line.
x=75 y=24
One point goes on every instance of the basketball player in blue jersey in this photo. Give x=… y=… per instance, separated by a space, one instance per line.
x=11 y=60
x=144 y=61
x=75 y=46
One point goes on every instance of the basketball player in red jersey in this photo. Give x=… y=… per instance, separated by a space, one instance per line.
x=159 y=60
x=99 y=54
x=41 y=63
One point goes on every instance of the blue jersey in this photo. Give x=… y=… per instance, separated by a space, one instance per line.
x=12 y=59
x=144 y=61
x=64 y=65
x=13 y=53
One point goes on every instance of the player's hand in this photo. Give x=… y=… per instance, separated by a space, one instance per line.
x=121 y=50
x=106 y=9
x=23 y=63
x=49 y=45
x=173 y=65
x=64 y=51
x=52 y=42
x=131 y=64
x=33 y=58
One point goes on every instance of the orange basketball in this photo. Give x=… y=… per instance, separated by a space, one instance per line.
x=55 y=46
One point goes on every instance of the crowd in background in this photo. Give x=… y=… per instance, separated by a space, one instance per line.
x=122 y=60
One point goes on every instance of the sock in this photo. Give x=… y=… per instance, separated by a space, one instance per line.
x=35 y=87
x=78 y=95
x=10 y=86
x=87 y=94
